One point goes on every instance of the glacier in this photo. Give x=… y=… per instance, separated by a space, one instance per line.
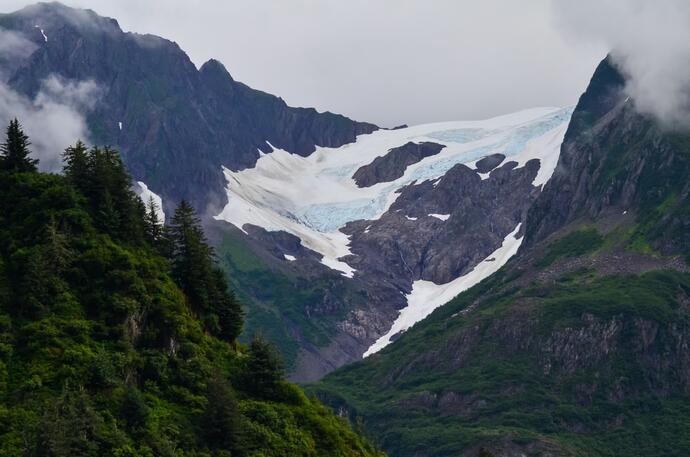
x=314 y=197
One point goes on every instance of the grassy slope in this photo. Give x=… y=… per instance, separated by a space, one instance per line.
x=277 y=301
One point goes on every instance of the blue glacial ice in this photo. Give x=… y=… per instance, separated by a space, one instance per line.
x=459 y=136
x=329 y=217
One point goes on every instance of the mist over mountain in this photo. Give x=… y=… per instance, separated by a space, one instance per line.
x=650 y=44
x=510 y=286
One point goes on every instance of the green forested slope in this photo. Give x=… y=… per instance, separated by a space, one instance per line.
x=580 y=345
x=119 y=338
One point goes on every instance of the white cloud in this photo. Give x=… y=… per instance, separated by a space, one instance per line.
x=649 y=41
x=14 y=48
x=54 y=119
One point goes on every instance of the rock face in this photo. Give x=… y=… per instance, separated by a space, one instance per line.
x=393 y=164
x=175 y=126
x=579 y=346
x=411 y=242
x=408 y=243
x=615 y=160
x=488 y=163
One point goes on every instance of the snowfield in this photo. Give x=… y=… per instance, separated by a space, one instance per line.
x=314 y=197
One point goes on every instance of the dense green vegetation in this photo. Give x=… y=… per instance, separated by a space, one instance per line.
x=574 y=244
x=458 y=380
x=277 y=299
x=118 y=336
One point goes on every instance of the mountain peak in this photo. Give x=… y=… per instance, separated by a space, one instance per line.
x=56 y=15
x=213 y=67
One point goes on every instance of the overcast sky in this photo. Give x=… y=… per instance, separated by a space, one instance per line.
x=384 y=61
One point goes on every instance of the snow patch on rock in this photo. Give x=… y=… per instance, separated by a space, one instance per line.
x=289 y=257
x=426 y=296
x=443 y=217
x=45 y=37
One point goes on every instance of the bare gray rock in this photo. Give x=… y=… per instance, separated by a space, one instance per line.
x=393 y=164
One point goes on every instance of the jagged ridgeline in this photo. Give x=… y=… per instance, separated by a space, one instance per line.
x=579 y=345
x=118 y=335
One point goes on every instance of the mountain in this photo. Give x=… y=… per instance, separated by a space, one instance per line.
x=337 y=235
x=175 y=125
x=348 y=247
x=578 y=346
x=106 y=345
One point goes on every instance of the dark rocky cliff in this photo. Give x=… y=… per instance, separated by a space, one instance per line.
x=616 y=161
x=180 y=125
x=435 y=231
x=392 y=165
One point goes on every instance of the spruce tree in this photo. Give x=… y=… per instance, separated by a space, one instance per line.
x=221 y=421
x=154 y=226
x=100 y=175
x=190 y=255
x=265 y=369
x=226 y=306
x=15 y=150
x=57 y=247
x=195 y=272
x=76 y=166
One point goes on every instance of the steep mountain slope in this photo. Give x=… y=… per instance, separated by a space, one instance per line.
x=579 y=345
x=175 y=125
x=337 y=234
x=395 y=245
x=104 y=352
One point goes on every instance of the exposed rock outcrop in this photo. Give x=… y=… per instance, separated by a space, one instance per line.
x=393 y=164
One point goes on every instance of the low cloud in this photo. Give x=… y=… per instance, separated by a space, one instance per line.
x=54 y=119
x=649 y=42
x=14 y=48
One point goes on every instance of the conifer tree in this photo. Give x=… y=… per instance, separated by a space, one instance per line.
x=102 y=178
x=265 y=369
x=57 y=247
x=154 y=226
x=15 y=150
x=195 y=272
x=221 y=420
x=108 y=214
x=76 y=166
x=190 y=255
x=226 y=307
